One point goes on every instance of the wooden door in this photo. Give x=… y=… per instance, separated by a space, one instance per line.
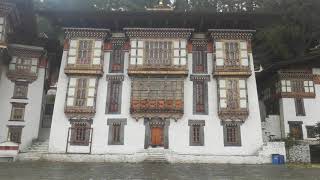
x=156 y=136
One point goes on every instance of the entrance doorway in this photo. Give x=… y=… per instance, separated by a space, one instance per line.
x=315 y=153
x=156 y=136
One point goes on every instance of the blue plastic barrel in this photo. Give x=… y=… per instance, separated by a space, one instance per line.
x=275 y=159
x=281 y=159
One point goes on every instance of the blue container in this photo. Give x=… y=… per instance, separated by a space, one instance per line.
x=281 y=159
x=275 y=159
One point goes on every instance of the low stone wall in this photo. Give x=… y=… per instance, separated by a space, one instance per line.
x=299 y=153
x=263 y=156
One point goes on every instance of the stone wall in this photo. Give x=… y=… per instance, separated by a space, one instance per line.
x=299 y=154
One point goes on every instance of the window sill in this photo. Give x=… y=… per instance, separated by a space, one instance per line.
x=14 y=120
x=232 y=145
x=22 y=98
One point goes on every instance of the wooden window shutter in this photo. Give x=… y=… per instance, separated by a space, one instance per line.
x=220 y=59
x=73 y=51
x=71 y=91
x=91 y=92
x=244 y=53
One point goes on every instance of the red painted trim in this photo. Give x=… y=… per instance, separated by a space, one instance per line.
x=6 y=148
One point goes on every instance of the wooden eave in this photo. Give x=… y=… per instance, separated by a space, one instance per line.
x=201 y=21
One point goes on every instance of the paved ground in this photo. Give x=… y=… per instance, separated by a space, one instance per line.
x=106 y=171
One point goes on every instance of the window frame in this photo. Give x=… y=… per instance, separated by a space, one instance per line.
x=18 y=130
x=311 y=131
x=116 y=54
x=298 y=125
x=119 y=123
x=82 y=130
x=88 y=50
x=236 y=127
x=197 y=94
x=199 y=59
x=235 y=60
x=112 y=96
x=150 y=52
x=299 y=107
x=196 y=124
x=19 y=84
x=17 y=106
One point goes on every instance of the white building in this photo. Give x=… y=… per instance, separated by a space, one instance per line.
x=22 y=76
x=290 y=98
x=186 y=95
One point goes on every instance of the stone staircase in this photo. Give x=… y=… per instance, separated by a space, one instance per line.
x=157 y=155
x=35 y=152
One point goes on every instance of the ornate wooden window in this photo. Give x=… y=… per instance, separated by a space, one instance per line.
x=114 y=97
x=80 y=133
x=232 y=53
x=157 y=95
x=20 y=90
x=24 y=65
x=286 y=86
x=117 y=60
x=196 y=132
x=308 y=86
x=158 y=52
x=311 y=131
x=233 y=94
x=299 y=104
x=17 y=112
x=199 y=58
x=84 y=52
x=81 y=92
x=14 y=133
x=296 y=129
x=200 y=97
x=232 y=134
x=116 y=131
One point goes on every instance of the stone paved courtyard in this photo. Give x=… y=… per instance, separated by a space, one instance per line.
x=106 y=171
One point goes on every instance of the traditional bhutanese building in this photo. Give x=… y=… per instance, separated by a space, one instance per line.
x=22 y=76
x=158 y=84
x=289 y=104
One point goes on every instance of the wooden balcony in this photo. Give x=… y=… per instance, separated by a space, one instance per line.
x=14 y=75
x=84 y=69
x=232 y=70
x=233 y=114
x=149 y=108
x=158 y=70
x=78 y=111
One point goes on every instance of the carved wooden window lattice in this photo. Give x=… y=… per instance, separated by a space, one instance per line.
x=84 y=52
x=14 y=134
x=158 y=52
x=157 y=94
x=17 y=112
x=199 y=57
x=23 y=65
x=116 y=131
x=114 y=97
x=81 y=92
x=232 y=53
x=20 y=90
x=232 y=135
x=196 y=134
x=286 y=86
x=311 y=131
x=117 y=58
x=80 y=133
x=296 y=129
x=233 y=94
x=200 y=96
x=299 y=104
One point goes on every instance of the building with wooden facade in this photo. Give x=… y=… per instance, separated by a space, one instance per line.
x=158 y=84
x=23 y=67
